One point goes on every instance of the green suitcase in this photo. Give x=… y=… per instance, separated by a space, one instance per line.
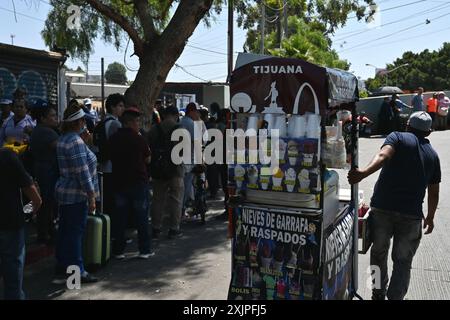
x=97 y=238
x=97 y=241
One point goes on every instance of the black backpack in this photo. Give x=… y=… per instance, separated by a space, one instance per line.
x=161 y=165
x=101 y=141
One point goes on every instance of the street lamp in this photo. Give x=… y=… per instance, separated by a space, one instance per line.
x=385 y=72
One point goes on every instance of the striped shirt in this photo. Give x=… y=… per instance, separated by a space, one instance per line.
x=77 y=169
x=14 y=132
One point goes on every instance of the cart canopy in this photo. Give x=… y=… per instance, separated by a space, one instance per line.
x=269 y=84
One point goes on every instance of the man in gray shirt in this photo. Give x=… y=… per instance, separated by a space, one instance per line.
x=417 y=101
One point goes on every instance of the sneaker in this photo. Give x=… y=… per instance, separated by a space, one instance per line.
x=88 y=278
x=174 y=234
x=146 y=255
x=119 y=256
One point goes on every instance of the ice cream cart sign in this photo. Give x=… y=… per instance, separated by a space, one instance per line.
x=278 y=85
x=338 y=262
x=275 y=255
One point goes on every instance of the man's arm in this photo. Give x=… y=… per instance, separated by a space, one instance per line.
x=433 y=200
x=32 y=193
x=356 y=175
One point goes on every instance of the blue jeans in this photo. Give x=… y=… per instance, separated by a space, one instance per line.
x=188 y=187
x=12 y=260
x=136 y=198
x=69 y=242
x=407 y=233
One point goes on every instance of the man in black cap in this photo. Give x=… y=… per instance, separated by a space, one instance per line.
x=409 y=166
x=130 y=156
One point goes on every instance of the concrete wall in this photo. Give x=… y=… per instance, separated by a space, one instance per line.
x=372 y=106
x=205 y=94
x=216 y=93
x=95 y=89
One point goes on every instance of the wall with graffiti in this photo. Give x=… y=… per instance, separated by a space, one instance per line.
x=38 y=76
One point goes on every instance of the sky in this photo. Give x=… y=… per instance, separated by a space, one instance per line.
x=398 y=27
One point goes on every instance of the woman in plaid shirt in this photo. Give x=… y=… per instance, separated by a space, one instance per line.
x=76 y=193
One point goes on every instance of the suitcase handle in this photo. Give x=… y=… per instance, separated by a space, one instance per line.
x=100 y=181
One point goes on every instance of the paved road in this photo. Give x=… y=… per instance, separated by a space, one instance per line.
x=430 y=276
x=198 y=265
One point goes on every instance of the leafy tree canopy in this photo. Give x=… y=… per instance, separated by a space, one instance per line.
x=427 y=69
x=116 y=73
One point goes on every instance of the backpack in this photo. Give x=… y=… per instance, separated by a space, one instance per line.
x=161 y=165
x=100 y=140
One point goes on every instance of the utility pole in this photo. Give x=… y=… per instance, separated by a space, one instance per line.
x=12 y=38
x=230 y=38
x=279 y=29
x=263 y=24
x=285 y=19
x=103 y=87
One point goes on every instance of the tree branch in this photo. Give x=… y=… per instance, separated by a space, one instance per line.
x=166 y=9
x=122 y=22
x=188 y=15
x=146 y=19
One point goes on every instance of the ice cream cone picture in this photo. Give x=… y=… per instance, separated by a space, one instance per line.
x=270 y=286
x=308 y=289
x=307 y=261
x=252 y=173
x=293 y=153
x=312 y=233
x=278 y=260
x=277 y=178
x=266 y=258
x=281 y=289
x=303 y=179
x=290 y=179
x=239 y=175
x=308 y=155
x=294 y=289
x=292 y=263
x=282 y=151
x=253 y=254
x=257 y=284
x=308 y=159
x=264 y=178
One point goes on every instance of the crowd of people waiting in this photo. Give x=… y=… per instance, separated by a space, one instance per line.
x=58 y=167
x=393 y=113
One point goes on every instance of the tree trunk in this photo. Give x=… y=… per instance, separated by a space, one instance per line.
x=160 y=55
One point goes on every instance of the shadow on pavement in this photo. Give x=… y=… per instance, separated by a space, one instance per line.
x=178 y=265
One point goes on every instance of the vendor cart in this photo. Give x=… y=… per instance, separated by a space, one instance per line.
x=294 y=232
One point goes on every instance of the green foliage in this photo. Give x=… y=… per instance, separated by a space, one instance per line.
x=307 y=43
x=116 y=73
x=363 y=94
x=310 y=22
x=331 y=14
x=374 y=84
x=427 y=69
x=94 y=25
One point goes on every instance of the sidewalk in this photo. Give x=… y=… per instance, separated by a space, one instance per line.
x=197 y=266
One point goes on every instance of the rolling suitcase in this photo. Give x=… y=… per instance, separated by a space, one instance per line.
x=97 y=237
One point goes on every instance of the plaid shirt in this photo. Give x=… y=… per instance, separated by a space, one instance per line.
x=77 y=169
